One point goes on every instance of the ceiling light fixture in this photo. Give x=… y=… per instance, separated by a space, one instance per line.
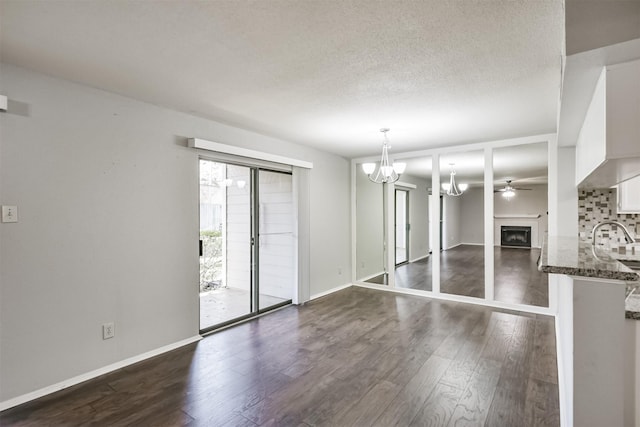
x=508 y=193
x=451 y=188
x=386 y=173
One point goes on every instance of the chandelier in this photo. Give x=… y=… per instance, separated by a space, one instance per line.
x=386 y=173
x=451 y=188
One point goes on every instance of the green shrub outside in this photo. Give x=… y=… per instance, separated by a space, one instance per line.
x=211 y=260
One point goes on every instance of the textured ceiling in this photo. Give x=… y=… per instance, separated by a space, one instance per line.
x=327 y=74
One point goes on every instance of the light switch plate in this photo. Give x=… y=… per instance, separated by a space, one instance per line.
x=9 y=214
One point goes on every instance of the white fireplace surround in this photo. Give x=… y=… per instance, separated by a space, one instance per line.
x=524 y=220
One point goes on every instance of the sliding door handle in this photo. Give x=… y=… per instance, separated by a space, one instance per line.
x=201 y=248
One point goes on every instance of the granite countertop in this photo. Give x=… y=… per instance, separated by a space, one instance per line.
x=632 y=307
x=575 y=257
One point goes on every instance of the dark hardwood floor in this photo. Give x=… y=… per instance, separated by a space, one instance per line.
x=516 y=276
x=357 y=357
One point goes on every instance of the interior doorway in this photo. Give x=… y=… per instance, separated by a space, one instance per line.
x=246 y=242
x=402 y=226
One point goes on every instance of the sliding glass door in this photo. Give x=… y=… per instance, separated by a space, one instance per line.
x=275 y=232
x=246 y=242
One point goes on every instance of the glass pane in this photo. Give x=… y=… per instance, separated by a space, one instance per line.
x=369 y=229
x=520 y=221
x=462 y=229
x=416 y=273
x=275 y=238
x=225 y=235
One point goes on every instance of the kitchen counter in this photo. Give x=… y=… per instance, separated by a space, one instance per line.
x=575 y=257
x=632 y=307
x=589 y=288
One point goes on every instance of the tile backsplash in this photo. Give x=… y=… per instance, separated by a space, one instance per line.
x=599 y=205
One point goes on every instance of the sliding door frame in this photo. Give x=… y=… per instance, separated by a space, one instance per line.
x=254 y=208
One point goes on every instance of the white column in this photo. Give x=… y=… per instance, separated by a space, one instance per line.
x=354 y=258
x=389 y=234
x=552 y=187
x=435 y=223
x=488 y=224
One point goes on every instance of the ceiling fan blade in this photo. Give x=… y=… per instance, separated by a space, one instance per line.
x=518 y=188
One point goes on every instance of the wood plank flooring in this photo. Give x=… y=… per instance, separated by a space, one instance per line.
x=357 y=357
x=516 y=276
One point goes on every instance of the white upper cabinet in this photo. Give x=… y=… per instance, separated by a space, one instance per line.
x=608 y=146
x=629 y=196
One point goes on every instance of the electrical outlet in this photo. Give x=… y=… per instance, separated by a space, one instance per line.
x=108 y=331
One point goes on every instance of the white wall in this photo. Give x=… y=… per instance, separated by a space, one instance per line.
x=632 y=372
x=590 y=151
x=472 y=216
x=567 y=193
x=369 y=226
x=107 y=193
x=598 y=23
x=451 y=224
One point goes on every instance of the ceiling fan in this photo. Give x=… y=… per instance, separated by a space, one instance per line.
x=509 y=191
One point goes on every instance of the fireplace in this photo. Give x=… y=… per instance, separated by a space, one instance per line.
x=513 y=235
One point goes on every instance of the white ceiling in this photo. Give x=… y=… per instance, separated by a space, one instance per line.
x=324 y=73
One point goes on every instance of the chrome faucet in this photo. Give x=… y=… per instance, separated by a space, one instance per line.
x=627 y=236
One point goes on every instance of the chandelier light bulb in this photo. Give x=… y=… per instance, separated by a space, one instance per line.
x=368 y=168
x=399 y=168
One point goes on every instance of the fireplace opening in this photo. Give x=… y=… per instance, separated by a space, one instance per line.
x=512 y=235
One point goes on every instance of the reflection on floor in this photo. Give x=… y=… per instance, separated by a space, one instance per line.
x=401 y=255
x=225 y=304
x=517 y=279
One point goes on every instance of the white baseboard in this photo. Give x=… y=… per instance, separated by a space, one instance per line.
x=19 y=400
x=330 y=291
x=460 y=298
x=364 y=279
x=419 y=258
x=451 y=247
